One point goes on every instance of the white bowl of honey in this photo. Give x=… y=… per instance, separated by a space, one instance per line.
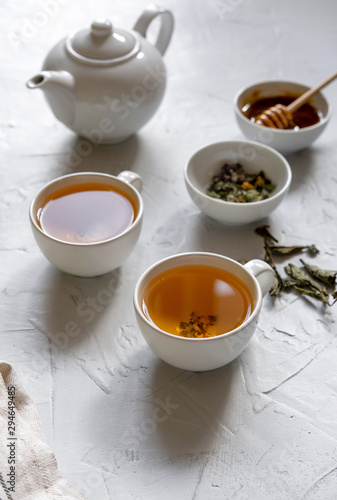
x=87 y=223
x=309 y=120
x=197 y=310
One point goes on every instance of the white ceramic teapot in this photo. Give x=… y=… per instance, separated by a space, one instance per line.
x=106 y=83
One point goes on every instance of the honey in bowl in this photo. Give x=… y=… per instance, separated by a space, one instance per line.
x=197 y=301
x=305 y=116
x=86 y=213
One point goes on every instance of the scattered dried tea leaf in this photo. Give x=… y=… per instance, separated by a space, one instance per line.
x=285 y=250
x=327 y=277
x=279 y=250
x=313 y=250
x=300 y=280
x=289 y=283
x=277 y=285
x=282 y=249
x=301 y=277
x=264 y=232
x=278 y=282
x=322 y=295
x=305 y=285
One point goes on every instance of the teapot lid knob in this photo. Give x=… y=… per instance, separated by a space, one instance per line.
x=101 y=44
x=101 y=27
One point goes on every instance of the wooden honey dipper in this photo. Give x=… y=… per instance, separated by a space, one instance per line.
x=280 y=116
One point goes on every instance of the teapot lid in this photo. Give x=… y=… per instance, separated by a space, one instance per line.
x=102 y=44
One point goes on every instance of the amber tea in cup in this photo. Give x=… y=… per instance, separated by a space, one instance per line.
x=209 y=296
x=197 y=301
x=86 y=213
x=88 y=223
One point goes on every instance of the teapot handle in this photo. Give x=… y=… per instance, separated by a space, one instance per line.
x=166 y=27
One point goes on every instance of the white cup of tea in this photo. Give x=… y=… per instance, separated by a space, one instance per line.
x=87 y=223
x=198 y=311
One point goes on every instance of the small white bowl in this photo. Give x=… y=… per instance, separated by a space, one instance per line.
x=285 y=141
x=253 y=156
x=96 y=258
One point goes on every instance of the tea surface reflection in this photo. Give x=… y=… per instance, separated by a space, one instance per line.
x=197 y=301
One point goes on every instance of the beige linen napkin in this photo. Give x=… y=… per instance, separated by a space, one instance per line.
x=28 y=468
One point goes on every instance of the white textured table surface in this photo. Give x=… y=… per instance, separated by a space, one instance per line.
x=263 y=427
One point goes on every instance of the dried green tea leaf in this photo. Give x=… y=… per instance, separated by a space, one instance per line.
x=313 y=250
x=301 y=277
x=327 y=277
x=277 y=285
x=280 y=250
x=322 y=296
x=305 y=285
x=264 y=232
x=289 y=283
x=268 y=257
x=289 y=250
x=334 y=296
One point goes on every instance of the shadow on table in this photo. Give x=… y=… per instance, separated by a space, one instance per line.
x=67 y=309
x=302 y=165
x=84 y=156
x=197 y=408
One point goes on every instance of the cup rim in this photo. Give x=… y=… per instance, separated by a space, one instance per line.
x=240 y=206
x=75 y=175
x=239 y=113
x=243 y=325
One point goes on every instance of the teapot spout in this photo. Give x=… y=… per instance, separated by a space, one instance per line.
x=47 y=78
x=58 y=87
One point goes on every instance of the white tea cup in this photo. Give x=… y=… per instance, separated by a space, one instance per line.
x=89 y=259
x=200 y=354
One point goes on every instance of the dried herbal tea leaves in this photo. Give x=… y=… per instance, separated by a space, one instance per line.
x=312 y=250
x=278 y=281
x=305 y=285
x=233 y=184
x=322 y=295
x=327 y=277
x=277 y=286
x=197 y=326
x=289 y=283
x=299 y=280
x=301 y=277
x=264 y=232
x=282 y=250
